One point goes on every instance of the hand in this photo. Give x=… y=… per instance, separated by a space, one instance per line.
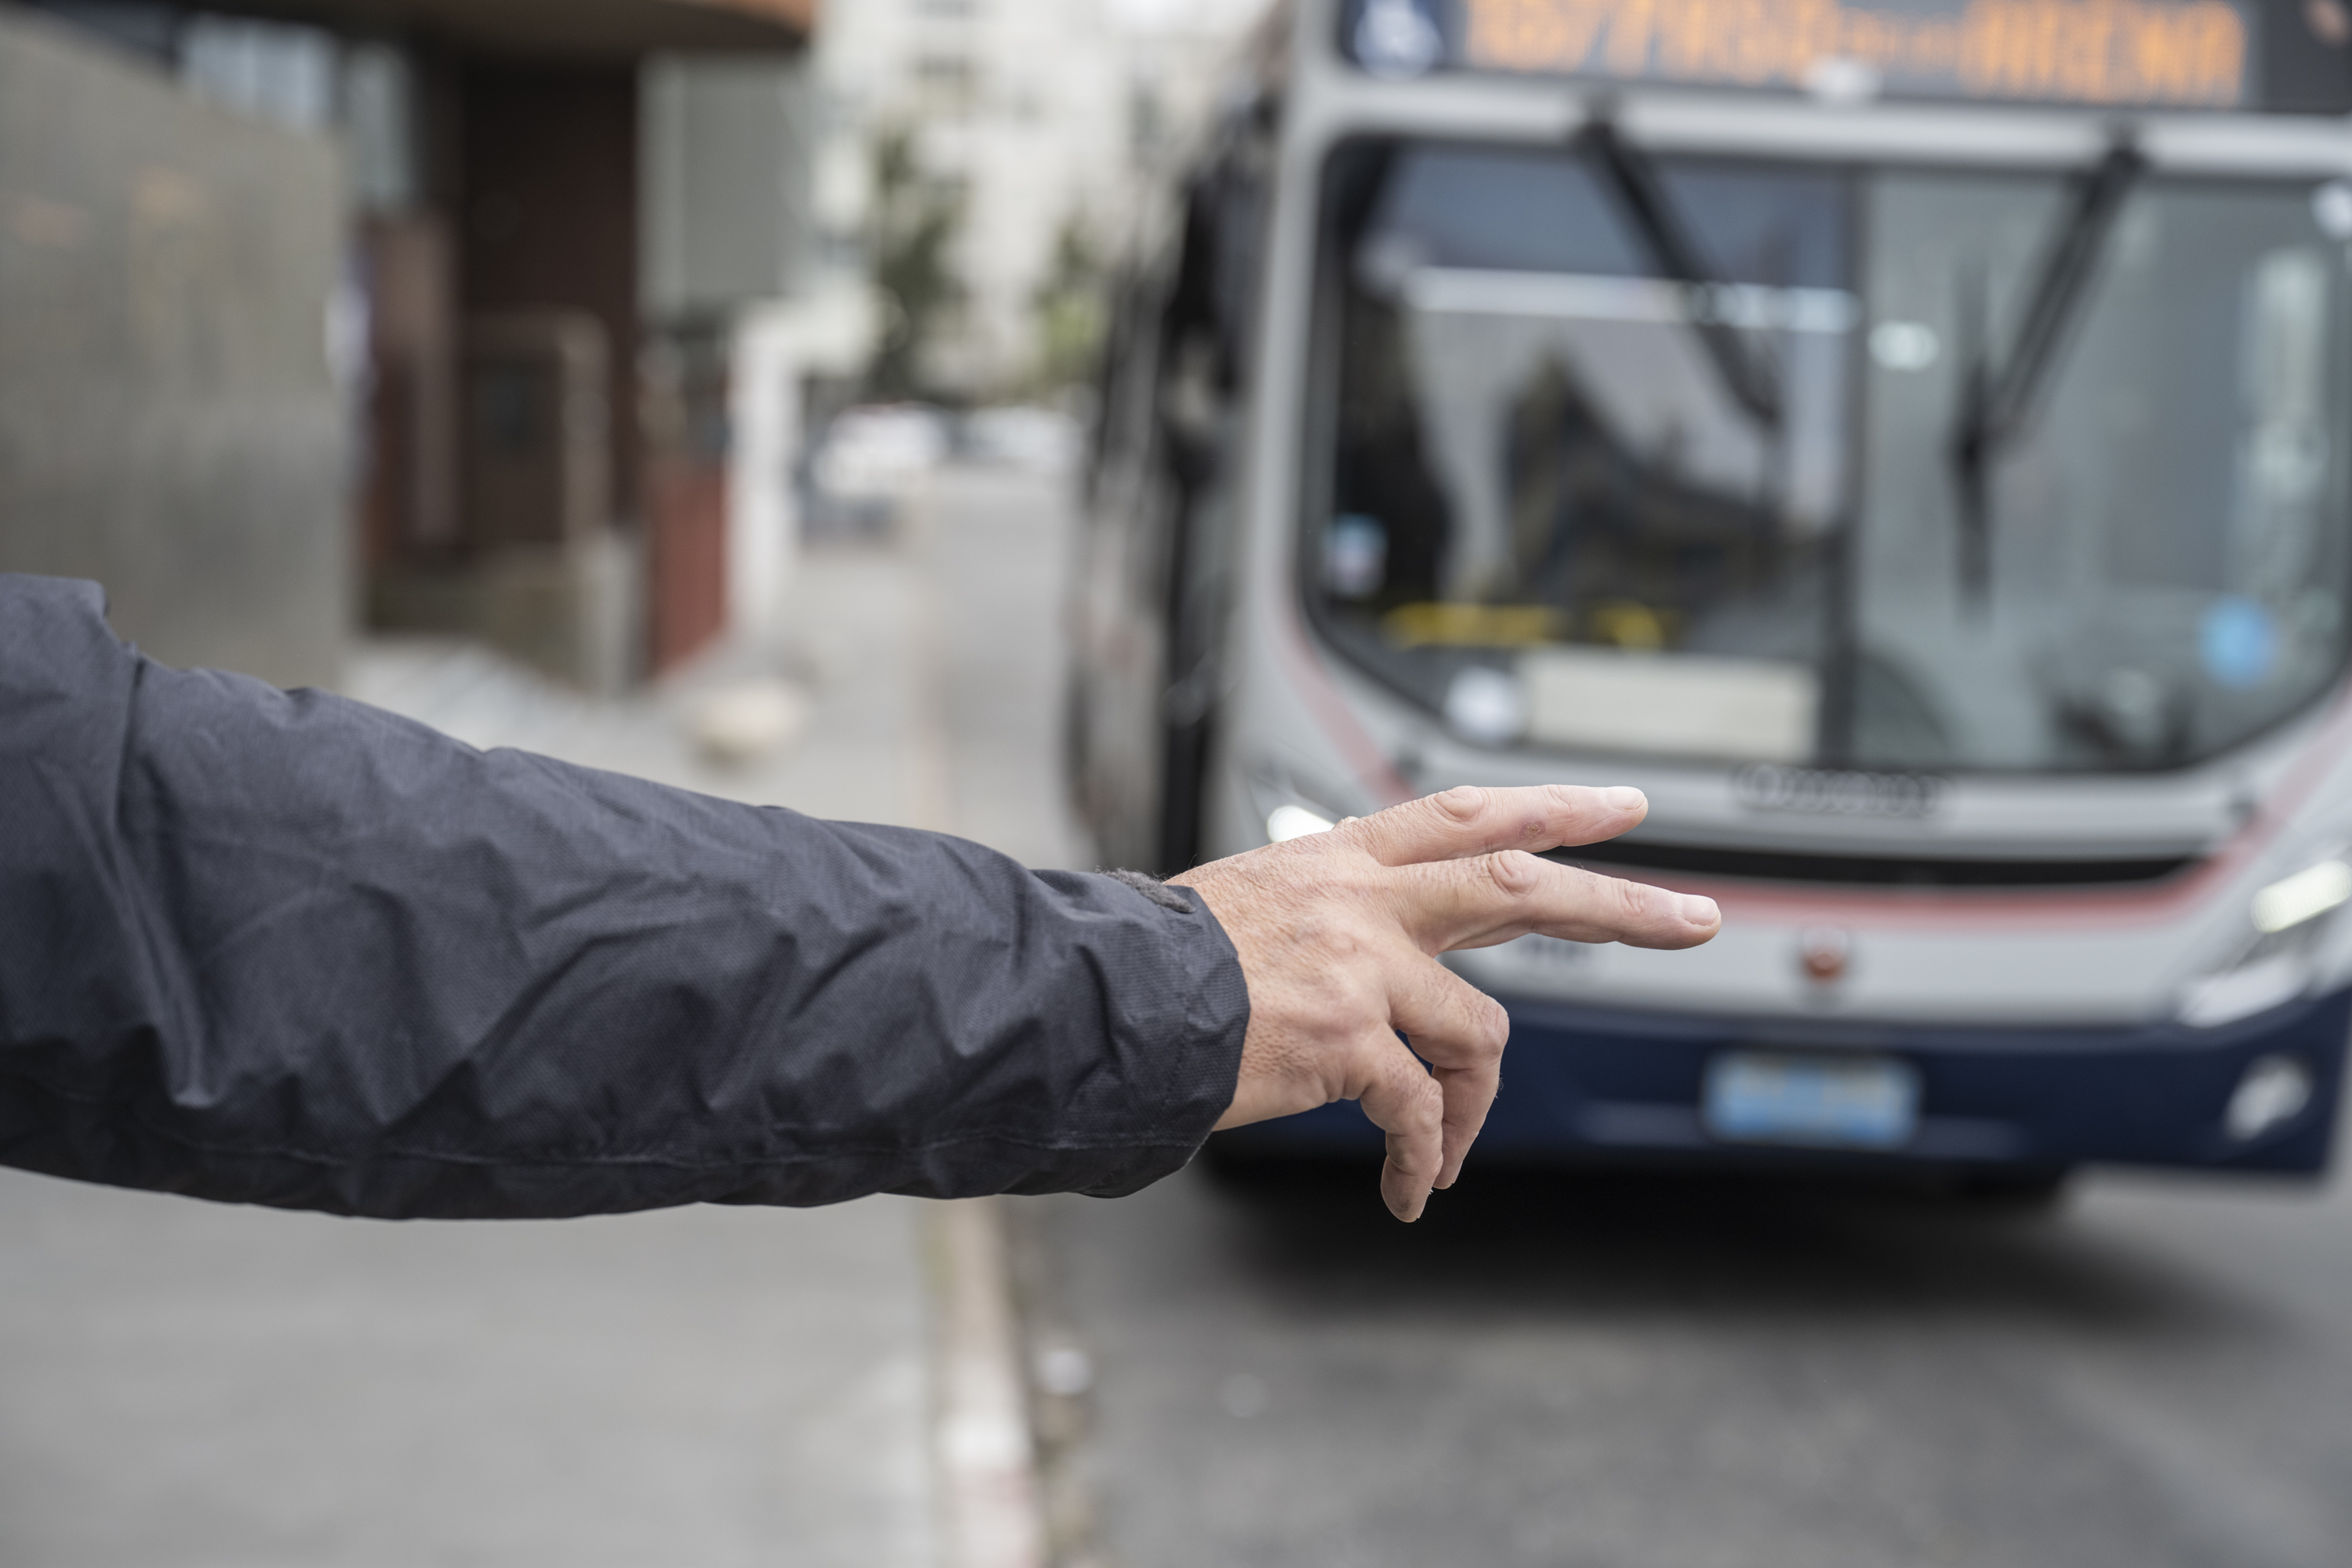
x=1338 y=933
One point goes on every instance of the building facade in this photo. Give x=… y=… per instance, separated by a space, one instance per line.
x=418 y=311
x=1032 y=122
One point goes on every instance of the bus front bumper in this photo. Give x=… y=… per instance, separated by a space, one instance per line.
x=1612 y=1083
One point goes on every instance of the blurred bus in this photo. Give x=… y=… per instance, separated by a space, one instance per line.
x=1911 y=441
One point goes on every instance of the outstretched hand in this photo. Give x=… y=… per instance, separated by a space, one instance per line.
x=1338 y=932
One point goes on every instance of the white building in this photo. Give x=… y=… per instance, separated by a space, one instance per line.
x=1040 y=113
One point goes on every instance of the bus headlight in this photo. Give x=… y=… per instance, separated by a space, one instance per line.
x=2306 y=895
x=2276 y=967
x=1291 y=808
x=1285 y=823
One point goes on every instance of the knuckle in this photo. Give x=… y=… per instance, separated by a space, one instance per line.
x=1412 y=1162
x=1513 y=872
x=1336 y=998
x=1462 y=804
x=1339 y=941
x=1494 y=1026
x=1425 y=1108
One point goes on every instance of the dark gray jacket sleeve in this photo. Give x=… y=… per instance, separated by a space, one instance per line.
x=281 y=948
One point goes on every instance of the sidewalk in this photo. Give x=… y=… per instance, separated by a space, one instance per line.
x=192 y=1384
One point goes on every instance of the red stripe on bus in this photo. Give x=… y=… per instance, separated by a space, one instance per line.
x=1374 y=772
x=2053 y=908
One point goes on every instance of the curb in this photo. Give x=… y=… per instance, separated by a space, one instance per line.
x=982 y=1444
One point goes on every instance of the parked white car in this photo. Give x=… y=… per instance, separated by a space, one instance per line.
x=880 y=452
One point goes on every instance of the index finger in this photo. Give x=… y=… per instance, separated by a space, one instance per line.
x=1456 y=824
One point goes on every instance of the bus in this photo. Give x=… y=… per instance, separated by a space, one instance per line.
x=1909 y=439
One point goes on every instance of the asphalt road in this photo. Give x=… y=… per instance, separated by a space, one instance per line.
x=1620 y=1372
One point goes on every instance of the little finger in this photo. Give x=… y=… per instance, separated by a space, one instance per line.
x=1403 y=1101
x=1460 y=1031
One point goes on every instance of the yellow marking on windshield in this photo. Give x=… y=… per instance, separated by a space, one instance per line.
x=2085 y=51
x=1433 y=624
x=1627 y=624
x=1617 y=623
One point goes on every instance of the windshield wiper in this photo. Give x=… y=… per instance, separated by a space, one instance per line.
x=1997 y=406
x=1748 y=378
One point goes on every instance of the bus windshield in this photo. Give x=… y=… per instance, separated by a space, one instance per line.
x=1832 y=465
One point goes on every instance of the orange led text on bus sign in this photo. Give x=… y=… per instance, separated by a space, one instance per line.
x=2084 y=51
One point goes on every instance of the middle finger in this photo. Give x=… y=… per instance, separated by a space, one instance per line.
x=1494 y=897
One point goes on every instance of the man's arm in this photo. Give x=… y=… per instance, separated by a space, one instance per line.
x=285 y=949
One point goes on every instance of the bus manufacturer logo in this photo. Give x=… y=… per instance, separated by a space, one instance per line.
x=1829 y=792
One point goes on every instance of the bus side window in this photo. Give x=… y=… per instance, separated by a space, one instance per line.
x=1205 y=321
x=1202 y=360
x=1112 y=739
x=1124 y=389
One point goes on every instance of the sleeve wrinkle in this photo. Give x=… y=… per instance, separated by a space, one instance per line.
x=419 y=979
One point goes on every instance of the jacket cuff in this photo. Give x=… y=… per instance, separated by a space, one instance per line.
x=1195 y=1011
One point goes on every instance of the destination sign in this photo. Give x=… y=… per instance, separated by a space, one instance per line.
x=2152 y=53
x=2292 y=57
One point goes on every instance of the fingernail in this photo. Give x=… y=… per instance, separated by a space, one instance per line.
x=1624 y=798
x=1697 y=910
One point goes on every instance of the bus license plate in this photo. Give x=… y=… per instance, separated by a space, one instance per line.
x=1848 y=1102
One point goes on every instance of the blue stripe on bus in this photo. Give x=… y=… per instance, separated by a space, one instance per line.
x=1593 y=1081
